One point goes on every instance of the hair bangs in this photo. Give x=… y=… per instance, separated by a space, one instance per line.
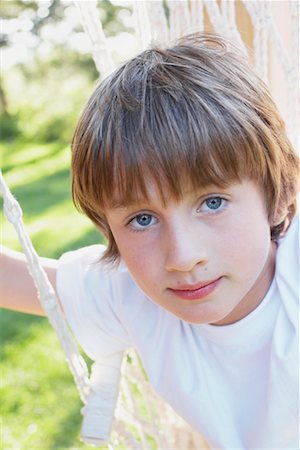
x=174 y=143
x=181 y=118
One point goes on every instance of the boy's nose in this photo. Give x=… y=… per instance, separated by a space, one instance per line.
x=184 y=250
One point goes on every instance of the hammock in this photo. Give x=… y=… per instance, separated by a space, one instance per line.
x=270 y=30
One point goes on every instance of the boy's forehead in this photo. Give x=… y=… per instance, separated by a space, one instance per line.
x=158 y=193
x=138 y=197
x=149 y=193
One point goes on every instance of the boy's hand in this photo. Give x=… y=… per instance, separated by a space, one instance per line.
x=17 y=289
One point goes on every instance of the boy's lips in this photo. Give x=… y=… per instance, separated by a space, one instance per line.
x=195 y=291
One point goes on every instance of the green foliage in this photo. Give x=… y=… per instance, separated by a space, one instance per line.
x=40 y=404
x=40 y=104
x=9 y=127
x=38 y=175
x=110 y=17
x=10 y=9
x=44 y=99
x=53 y=12
x=39 y=401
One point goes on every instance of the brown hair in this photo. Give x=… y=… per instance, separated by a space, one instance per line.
x=195 y=113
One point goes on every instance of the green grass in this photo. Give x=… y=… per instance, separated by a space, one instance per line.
x=40 y=406
x=38 y=176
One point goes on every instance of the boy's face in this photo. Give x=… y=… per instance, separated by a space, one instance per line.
x=207 y=258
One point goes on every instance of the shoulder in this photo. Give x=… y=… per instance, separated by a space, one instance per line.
x=79 y=270
x=84 y=268
x=103 y=302
x=92 y=298
x=82 y=256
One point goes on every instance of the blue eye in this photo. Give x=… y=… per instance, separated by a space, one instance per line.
x=213 y=205
x=214 y=202
x=142 y=221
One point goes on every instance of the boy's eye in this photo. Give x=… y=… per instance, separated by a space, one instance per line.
x=142 y=221
x=212 y=204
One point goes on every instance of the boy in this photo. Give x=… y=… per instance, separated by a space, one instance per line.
x=181 y=159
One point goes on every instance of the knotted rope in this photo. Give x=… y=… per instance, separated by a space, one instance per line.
x=100 y=392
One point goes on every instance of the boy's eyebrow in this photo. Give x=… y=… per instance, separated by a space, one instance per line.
x=124 y=204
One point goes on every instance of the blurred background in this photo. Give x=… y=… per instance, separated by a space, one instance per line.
x=47 y=75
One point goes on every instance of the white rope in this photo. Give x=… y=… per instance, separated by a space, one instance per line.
x=93 y=28
x=100 y=392
x=186 y=16
x=47 y=295
x=98 y=412
x=266 y=29
x=293 y=77
x=260 y=15
x=159 y=26
x=290 y=66
x=196 y=16
x=193 y=15
x=221 y=18
x=142 y=25
x=179 y=19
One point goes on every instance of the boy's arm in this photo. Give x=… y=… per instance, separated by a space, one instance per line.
x=17 y=289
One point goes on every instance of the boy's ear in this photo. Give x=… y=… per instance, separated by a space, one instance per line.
x=282 y=218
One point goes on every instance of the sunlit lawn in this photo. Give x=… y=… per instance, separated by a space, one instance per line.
x=39 y=403
x=38 y=176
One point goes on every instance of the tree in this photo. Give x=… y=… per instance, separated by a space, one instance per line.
x=38 y=40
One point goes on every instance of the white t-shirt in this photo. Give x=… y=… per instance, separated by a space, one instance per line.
x=238 y=385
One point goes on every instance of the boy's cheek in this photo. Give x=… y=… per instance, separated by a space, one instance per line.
x=245 y=241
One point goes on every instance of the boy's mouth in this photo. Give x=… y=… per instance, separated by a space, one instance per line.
x=196 y=291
